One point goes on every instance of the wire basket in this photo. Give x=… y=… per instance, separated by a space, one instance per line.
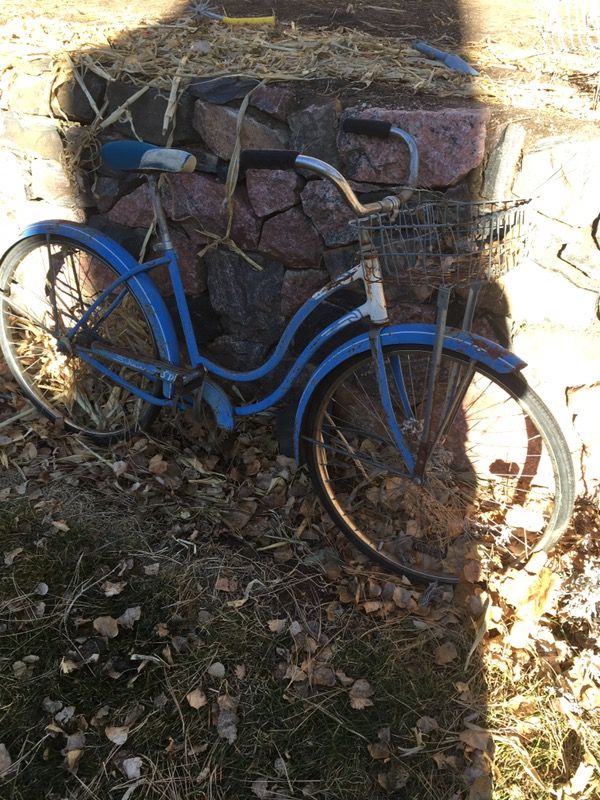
x=440 y=242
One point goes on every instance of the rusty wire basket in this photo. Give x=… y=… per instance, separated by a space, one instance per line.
x=440 y=242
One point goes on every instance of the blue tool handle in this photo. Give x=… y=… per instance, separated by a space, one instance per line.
x=428 y=50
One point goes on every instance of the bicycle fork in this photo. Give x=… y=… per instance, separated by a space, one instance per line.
x=458 y=382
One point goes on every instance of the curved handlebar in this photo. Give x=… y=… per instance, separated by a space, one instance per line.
x=289 y=159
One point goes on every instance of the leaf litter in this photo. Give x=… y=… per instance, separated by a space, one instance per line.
x=325 y=636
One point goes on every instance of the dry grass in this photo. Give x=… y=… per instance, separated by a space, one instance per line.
x=293 y=628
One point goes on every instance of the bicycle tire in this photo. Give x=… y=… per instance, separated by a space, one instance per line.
x=46 y=284
x=476 y=505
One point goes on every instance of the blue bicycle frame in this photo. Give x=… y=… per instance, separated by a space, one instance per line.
x=174 y=377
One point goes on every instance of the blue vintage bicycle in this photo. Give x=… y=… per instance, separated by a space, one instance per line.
x=425 y=444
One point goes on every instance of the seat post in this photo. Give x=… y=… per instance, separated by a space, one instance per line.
x=161 y=220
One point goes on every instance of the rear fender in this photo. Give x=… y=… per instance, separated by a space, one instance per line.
x=483 y=350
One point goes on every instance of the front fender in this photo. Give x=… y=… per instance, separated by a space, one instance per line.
x=123 y=262
x=476 y=347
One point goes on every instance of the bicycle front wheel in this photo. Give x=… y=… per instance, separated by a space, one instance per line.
x=498 y=480
x=47 y=283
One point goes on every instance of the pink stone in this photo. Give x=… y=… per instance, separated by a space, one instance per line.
x=193 y=271
x=217 y=126
x=292 y=239
x=133 y=210
x=272 y=190
x=451 y=143
x=273 y=100
x=203 y=199
x=329 y=212
x=298 y=286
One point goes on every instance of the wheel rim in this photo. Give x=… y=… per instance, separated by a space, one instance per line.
x=488 y=493
x=47 y=291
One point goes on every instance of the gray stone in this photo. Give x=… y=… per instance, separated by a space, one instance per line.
x=203 y=198
x=217 y=126
x=70 y=99
x=537 y=295
x=451 y=143
x=273 y=100
x=558 y=356
x=35 y=136
x=314 y=131
x=247 y=300
x=298 y=286
x=340 y=260
x=147 y=114
x=292 y=239
x=502 y=163
x=583 y=403
x=329 y=213
x=29 y=94
x=49 y=181
x=562 y=175
x=15 y=178
x=105 y=192
x=222 y=89
x=238 y=354
x=272 y=190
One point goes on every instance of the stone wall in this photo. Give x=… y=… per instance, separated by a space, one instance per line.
x=295 y=227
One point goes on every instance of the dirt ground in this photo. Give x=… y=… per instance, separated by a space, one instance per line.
x=456 y=20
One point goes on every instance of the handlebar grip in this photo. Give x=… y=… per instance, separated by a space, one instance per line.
x=367 y=127
x=267 y=159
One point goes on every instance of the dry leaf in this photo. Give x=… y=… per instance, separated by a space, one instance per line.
x=277 y=625
x=225 y=584
x=371 y=606
x=520 y=633
x=132 y=768
x=196 y=698
x=157 y=465
x=67 y=665
x=445 y=654
x=323 y=676
x=152 y=569
x=227 y=719
x=75 y=741
x=71 y=759
x=111 y=589
x=240 y=671
x=106 y=626
x=60 y=525
x=5 y=760
x=427 y=724
x=260 y=788
x=360 y=693
x=117 y=735
x=379 y=750
x=476 y=738
x=402 y=597
x=481 y=788
x=129 y=617
x=396 y=778
x=216 y=670
x=580 y=780
x=11 y=555
x=119 y=467
x=472 y=571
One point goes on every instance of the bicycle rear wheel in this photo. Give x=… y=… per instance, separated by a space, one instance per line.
x=47 y=283
x=498 y=484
